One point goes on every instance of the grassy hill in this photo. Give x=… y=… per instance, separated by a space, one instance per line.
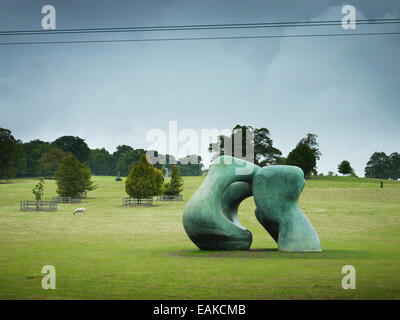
x=143 y=253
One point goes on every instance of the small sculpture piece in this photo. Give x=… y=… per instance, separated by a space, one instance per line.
x=276 y=191
x=210 y=217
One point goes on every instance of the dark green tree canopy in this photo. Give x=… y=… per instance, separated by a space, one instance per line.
x=8 y=154
x=73 y=177
x=101 y=162
x=345 y=168
x=259 y=140
x=127 y=160
x=383 y=167
x=144 y=180
x=188 y=168
x=75 y=145
x=50 y=161
x=311 y=141
x=303 y=157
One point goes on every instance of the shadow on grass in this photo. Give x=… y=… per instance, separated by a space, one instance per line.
x=270 y=253
x=140 y=207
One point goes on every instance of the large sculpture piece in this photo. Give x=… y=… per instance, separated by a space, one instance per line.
x=210 y=217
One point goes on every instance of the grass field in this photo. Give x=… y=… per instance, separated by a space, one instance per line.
x=143 y=253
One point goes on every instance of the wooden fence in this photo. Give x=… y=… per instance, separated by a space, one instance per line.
x=134 y=202
x=67 y=199
x=82 y=195
x=165 y=197
x=27 y=205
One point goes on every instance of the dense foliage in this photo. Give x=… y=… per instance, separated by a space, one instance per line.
x=125 y=161
x=73 y=177
x=259 y=140
x=39 y=158
x=175 y=186
x=382 y=166
x=304 y=157
x=190 y=166
x=144 y=180
x=50 y=161
x=77 y=146
x=344 y=167
x=101 y=162
x=8 y=154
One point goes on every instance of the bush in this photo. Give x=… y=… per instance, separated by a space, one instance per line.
x=73 y=177
x=38 y=190
x=353 y=174
x=144 y=180
x=175 y=186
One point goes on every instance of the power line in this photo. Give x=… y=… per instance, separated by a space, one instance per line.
x=198 y=27
x=201 y=38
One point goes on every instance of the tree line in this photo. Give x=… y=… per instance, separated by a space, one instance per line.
x=40 y=158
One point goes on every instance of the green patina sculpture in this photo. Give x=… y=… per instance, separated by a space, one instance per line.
x=276 y=191
x=210 y=217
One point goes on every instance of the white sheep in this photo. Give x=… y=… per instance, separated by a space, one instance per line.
x=79 y=210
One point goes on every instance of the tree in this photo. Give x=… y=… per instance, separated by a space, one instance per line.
x=382 y=166
x=38 y=190
x=127 y=160
x=122 y=150
x=8 y=154
x=101 y=162
x=264 y=152
x=303 y=157
x=311 y=141
x=377 y=166
x=33 y=151
x=50 y=161
x=21 y=163
x=175 y=186
x=144 y=180
x=394 y=166
x=73 y=177
x=75 y=145
x=344 y=167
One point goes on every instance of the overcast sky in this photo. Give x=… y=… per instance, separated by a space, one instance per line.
x=344 y=89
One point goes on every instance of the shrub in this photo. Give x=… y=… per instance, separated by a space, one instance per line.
x=73 y=177
x=175 y=186
x=353 y=174
x=144 y=180
x=38 y=190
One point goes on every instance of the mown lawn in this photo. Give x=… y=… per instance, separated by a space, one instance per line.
x=143 y=253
